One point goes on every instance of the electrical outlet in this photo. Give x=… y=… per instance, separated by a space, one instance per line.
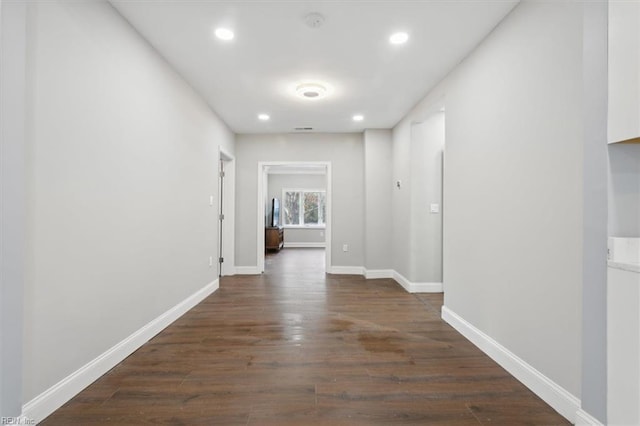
x=211 y=200
x=345 y=247
x=210 y=261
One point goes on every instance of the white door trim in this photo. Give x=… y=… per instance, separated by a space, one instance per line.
x=260 y=210
x=228 y=225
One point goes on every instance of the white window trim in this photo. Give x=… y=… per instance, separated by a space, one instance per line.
x=301 y=226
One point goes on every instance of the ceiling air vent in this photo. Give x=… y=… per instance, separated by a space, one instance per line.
x=314 y=20
x=302 y=129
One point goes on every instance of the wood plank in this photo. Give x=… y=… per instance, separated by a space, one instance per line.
x=314 y=349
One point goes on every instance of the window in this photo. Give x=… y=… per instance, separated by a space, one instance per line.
x=304 y=207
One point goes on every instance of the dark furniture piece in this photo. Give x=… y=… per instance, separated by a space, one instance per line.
x=273 y=238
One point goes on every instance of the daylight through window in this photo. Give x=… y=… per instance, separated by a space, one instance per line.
x=304 y=207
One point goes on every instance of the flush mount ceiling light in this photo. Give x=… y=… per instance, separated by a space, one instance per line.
x=358 y=117
x=399 y=38
x=224 y=34
x=263 y=117
x=311 y=90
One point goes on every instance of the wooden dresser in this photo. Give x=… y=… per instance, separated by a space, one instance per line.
x=273 y=238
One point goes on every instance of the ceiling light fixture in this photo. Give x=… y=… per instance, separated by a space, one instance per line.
x=358 y=117
x=224 y=34
x=399 y=38
x=263 y=117
x=311 y=90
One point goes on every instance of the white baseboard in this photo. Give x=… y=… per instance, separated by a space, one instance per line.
x=585 y=419
x=425 y=288
x=372 y=274
x=53 y=398
x=228 y=271
x=346 y=270
x=412 y=287
x=409 y=286
x=247 y=270
x=553 y=394
x=303 y=245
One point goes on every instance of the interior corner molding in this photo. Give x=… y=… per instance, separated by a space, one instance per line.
x=412 y=287
x=585 y=419
x=372 y=274
x=57 y=395
x=346 y=270
x=552 y=393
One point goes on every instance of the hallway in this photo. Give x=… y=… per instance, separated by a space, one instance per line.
x=296 y=346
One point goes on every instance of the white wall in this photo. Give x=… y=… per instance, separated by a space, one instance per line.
x=624 y=70
x=378 y=187
x=401 y=197
x=12 y=202
x=344 y=151
x=513 y=187
x=123 y=160
x=278 y=182
x=425 y=185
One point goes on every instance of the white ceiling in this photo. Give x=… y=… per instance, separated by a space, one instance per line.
x=274 y=49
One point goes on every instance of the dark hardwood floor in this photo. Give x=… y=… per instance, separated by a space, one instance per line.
x=298 y=347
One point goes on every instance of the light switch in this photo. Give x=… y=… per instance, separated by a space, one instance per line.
x=435 y=208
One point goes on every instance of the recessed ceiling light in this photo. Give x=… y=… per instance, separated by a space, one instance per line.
x=224 y=34
x=358 y=117
x=263 y=117
x=311 y=90
x=399 y=38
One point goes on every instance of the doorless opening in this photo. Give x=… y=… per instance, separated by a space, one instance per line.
x=301 y=169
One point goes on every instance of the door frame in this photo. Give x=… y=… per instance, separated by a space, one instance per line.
x=227 y=230
x=263 y=167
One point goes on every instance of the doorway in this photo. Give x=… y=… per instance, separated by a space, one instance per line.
x=226 y=213
x=305 y=172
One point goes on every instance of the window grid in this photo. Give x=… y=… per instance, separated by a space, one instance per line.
x=304 y=207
